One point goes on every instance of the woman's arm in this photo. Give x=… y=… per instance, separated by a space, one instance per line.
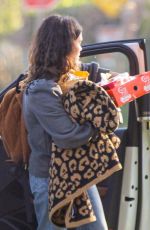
x=95 y=71
x=48 y=108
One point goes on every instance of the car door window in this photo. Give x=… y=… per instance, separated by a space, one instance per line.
x=116 y=62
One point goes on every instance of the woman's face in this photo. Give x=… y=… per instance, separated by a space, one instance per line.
x=74 y=56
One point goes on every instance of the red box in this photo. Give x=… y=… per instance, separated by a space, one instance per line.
x=128 y=90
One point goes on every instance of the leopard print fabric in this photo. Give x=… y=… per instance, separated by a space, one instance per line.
x=73 y=171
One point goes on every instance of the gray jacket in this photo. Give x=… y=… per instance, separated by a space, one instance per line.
x=46 y=120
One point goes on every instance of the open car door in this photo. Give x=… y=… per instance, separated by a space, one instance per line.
x=125 y=195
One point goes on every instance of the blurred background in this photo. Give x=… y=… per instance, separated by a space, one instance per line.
x=102 y=21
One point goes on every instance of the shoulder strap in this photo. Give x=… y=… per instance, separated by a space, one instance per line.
x=15 y=83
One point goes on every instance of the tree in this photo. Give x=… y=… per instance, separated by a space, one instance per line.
x=144 y=29
x=10 y=16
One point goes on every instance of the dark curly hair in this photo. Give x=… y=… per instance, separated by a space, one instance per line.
x=50 y=47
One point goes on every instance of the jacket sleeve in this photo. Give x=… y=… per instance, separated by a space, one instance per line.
x=48 y=108
x=94 y=70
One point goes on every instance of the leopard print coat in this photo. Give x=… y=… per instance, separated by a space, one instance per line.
x=73 y=171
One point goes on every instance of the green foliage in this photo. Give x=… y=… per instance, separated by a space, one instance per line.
x=144 y=30
x=72 y=3
x=10 y=16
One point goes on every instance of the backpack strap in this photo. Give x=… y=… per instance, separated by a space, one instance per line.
x=12 y=85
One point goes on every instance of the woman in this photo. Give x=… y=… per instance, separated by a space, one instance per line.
x=54 y=51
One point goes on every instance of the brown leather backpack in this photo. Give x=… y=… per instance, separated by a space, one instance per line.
x=12 y=128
